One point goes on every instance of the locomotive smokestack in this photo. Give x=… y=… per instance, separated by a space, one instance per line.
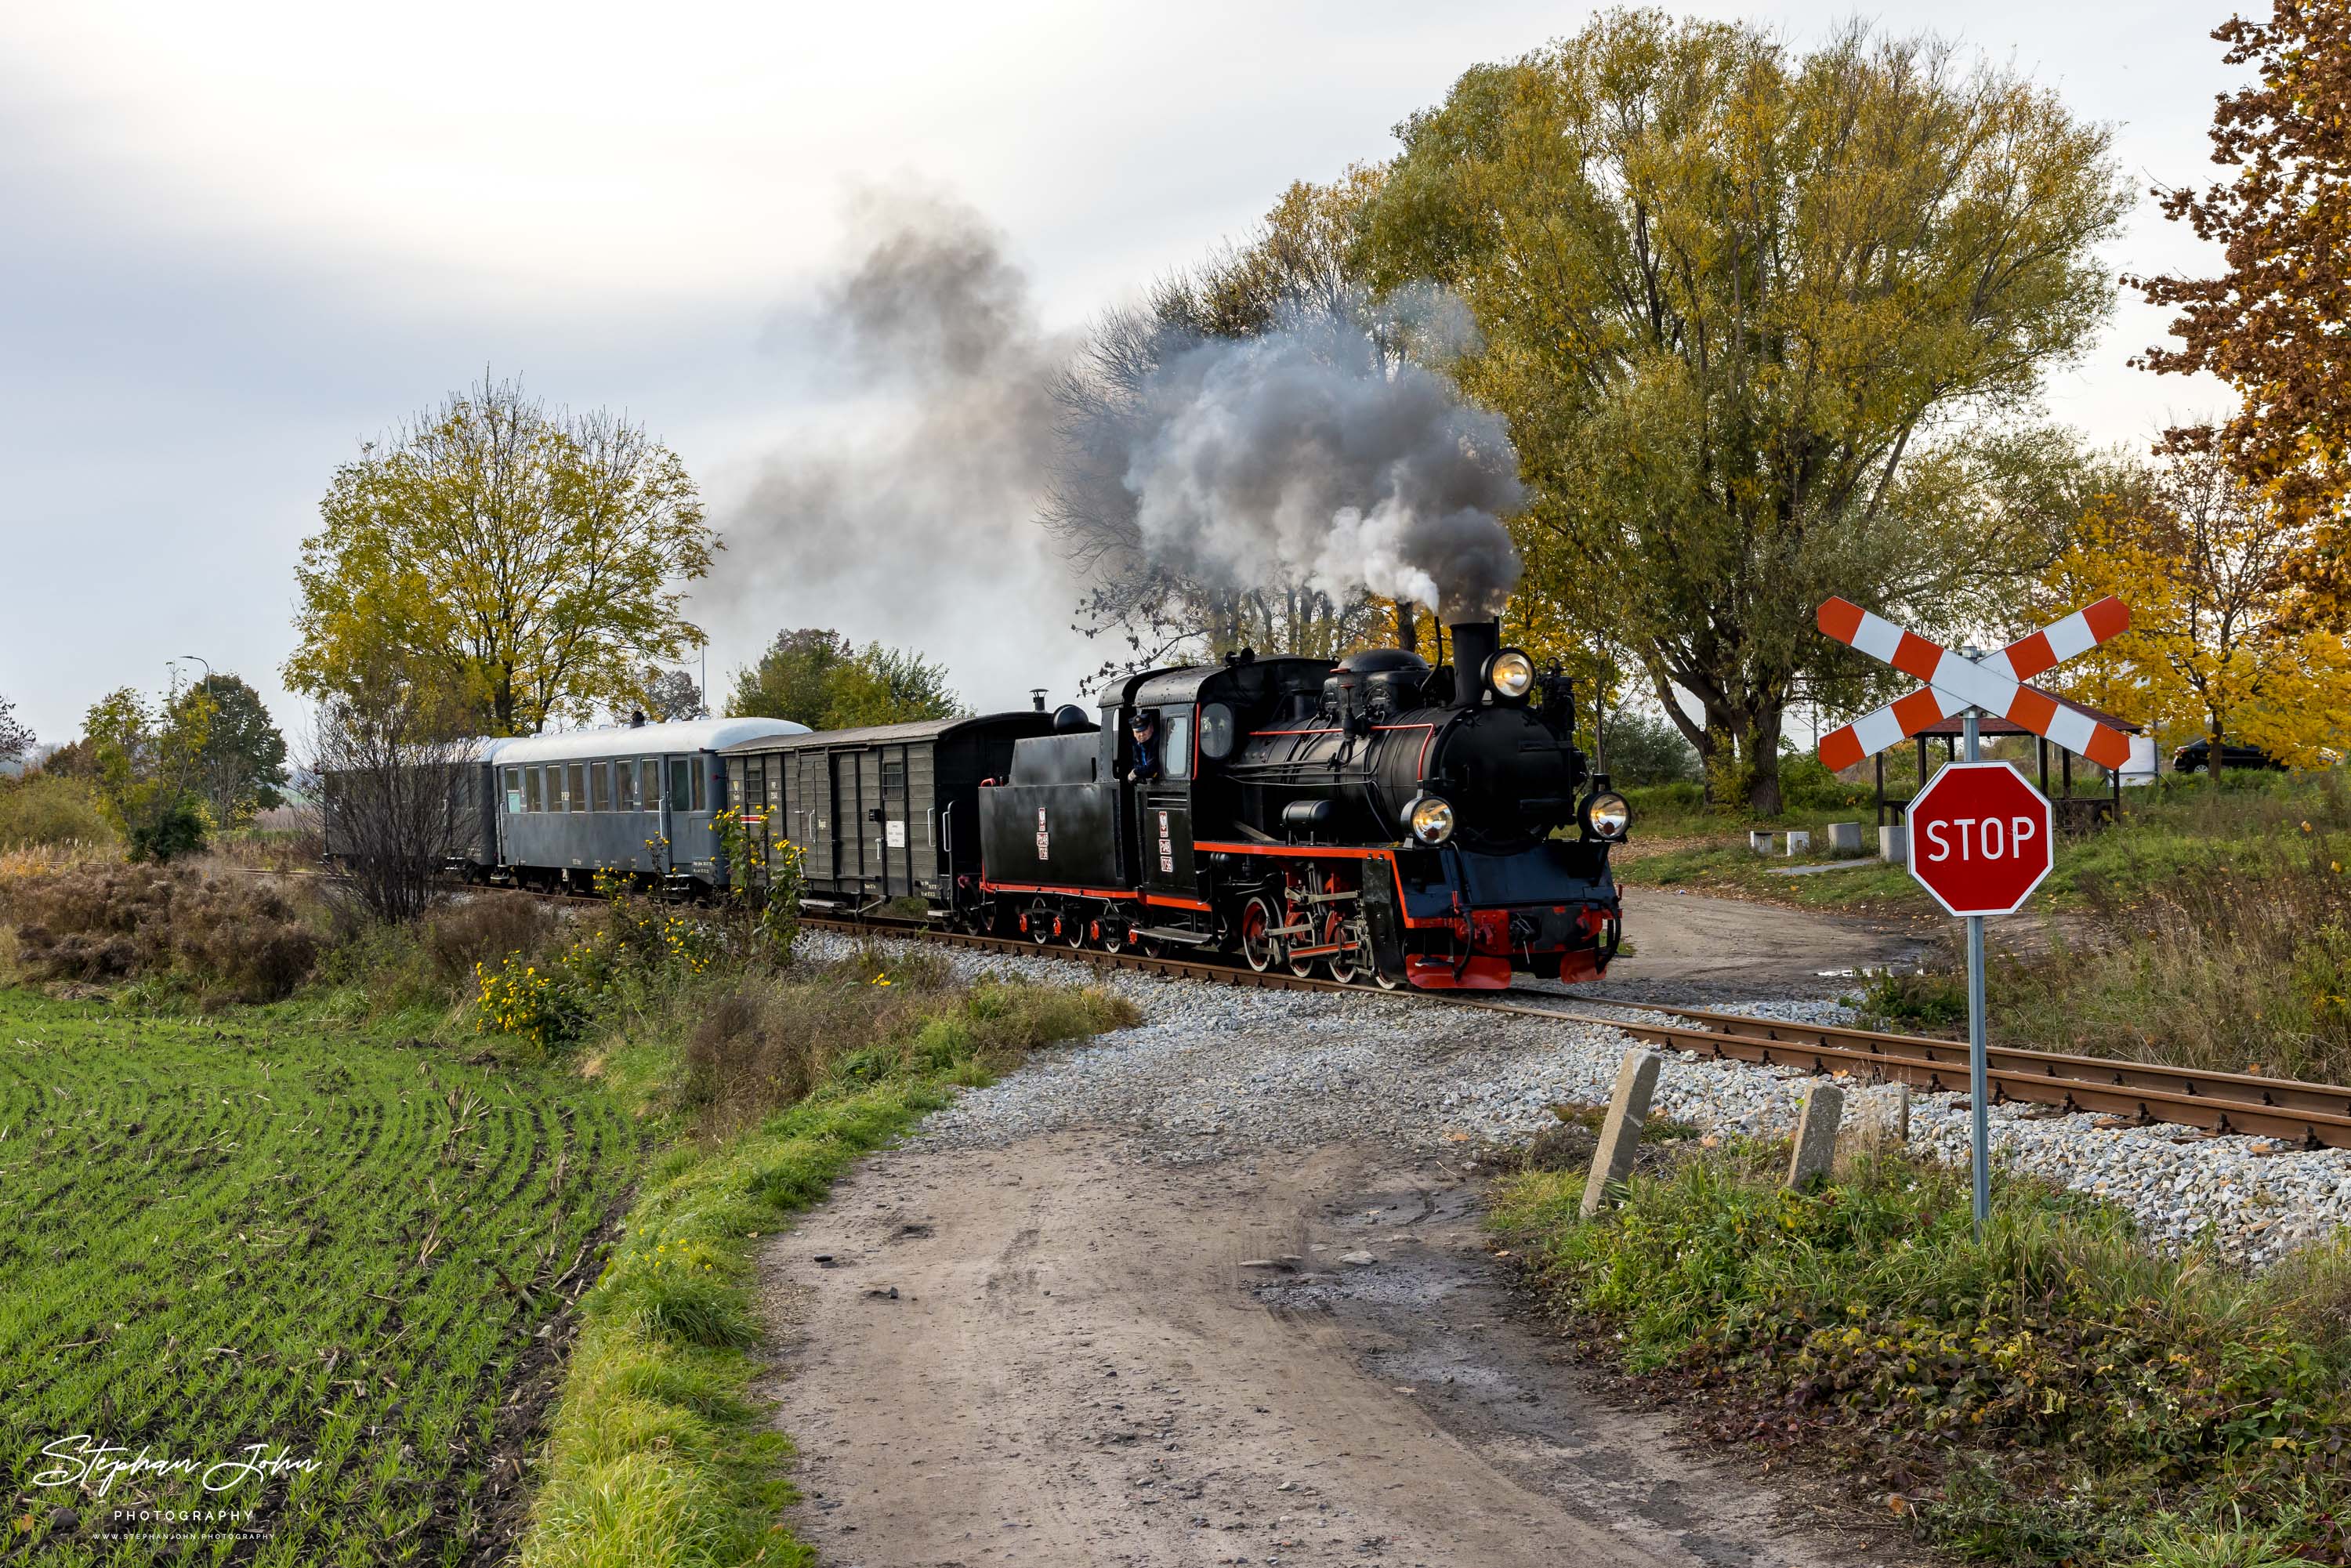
x=1473 y=642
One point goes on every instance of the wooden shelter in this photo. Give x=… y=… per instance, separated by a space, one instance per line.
x=2076 y=812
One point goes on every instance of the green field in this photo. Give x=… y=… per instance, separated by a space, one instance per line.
x=219 y=1233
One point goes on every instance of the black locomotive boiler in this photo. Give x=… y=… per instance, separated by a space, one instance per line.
x=1378 y=819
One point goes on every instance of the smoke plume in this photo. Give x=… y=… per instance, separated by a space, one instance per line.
x=902 y=506
x=1288 y=451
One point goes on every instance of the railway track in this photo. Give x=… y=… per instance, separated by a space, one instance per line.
x=2311 y=1115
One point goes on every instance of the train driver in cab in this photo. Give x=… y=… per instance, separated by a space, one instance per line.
x=1144 y=730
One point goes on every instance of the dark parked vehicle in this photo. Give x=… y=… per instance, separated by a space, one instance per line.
x=2193 y=757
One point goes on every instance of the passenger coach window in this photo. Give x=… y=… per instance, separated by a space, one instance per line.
x=578 y=786
x=600 y=786
x=514 y=790
x=649 y=773
x=701 y=770
x=681 y=784
x=535 y=790
x=624 y=785
x=1177 y=764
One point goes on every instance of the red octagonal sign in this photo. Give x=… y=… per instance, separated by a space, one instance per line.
x=1979 y=837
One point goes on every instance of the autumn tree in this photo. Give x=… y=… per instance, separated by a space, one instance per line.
x=143 y=774
x=530 y=562
x=1766 y=328
x=815 y=676
x=2271 y=323
x=15 y=737
x=2214 y=645
x=235 y=757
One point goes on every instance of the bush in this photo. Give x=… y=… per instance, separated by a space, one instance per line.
x=233 y=937
x=487 y=929
x=171 y=828
x=768 y=1041
x=49 y=810
x=1646 y=748
x=1806 y=785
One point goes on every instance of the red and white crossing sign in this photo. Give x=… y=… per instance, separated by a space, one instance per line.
x=1955 y=683
x=1980 y=837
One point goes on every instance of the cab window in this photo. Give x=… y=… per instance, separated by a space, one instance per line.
x=1176 y=729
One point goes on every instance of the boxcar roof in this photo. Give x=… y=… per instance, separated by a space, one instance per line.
x=887 y=734
x=644 y=739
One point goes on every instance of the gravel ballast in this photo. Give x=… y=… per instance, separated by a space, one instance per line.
x=1219 y=1071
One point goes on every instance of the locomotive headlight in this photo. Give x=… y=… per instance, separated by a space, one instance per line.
x=1431 y=819
x=1607 y=816
x=1511 y=673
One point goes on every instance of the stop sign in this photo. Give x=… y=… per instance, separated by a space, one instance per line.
x=1979 y=837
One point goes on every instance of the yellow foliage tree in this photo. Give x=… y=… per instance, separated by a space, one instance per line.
x=531 y=565
x=2214 y=647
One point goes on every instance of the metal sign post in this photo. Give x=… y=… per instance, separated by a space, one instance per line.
x=1979 y=1067
x=1992 y=833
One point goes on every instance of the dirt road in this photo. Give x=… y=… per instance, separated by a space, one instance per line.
x=1688 y=948
x=1088 y=1359
x=1213 y=1290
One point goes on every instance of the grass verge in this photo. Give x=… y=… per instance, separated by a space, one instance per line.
x=658 y=1460
x=2058 y=1393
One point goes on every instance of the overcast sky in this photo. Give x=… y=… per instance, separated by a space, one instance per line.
x=236 y=240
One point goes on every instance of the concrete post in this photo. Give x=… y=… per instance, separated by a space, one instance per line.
x=1846 y=837
x=1800 y=841
x=1620 y=1134
x=1759 y=842
x=1894 y=842
x=1816 y=1131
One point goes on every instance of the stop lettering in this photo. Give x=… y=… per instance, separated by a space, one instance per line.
x=1980 y=837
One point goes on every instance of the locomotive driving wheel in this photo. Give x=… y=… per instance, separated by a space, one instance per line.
x=1041 y=922
x=1293 y=916
x=1343 y=963
x=1074 y=926
x=1259 y=946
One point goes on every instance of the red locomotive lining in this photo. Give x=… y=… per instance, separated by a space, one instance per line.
x=1317 y=852
x=1174 y=902
x=987 y=887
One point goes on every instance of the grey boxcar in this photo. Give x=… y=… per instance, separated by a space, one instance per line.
x=882 y=814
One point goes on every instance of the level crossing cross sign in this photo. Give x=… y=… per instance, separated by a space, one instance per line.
x=1955 y=683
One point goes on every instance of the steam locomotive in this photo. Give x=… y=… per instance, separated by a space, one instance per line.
x=1380 y=820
